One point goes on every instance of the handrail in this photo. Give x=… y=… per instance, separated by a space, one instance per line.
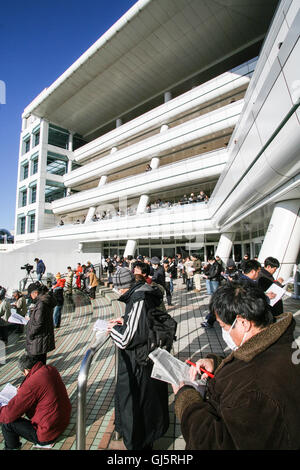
x=81 y=389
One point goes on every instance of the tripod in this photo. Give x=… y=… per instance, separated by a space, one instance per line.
x=28 y=275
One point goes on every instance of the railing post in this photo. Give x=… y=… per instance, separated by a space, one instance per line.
x=81 y=391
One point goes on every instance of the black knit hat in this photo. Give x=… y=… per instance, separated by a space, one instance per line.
x=123 y=278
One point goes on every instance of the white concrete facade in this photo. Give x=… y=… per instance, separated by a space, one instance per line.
x=234 y=132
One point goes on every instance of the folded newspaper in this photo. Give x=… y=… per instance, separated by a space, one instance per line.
x=7 y=393
x=101 y=325
x=16 y=318
x=169 y=369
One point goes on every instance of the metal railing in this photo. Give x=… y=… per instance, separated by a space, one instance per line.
x=82 y=390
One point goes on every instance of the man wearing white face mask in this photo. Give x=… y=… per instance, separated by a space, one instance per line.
x=253 y=400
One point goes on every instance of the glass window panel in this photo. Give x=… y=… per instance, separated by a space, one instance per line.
x=58 y=137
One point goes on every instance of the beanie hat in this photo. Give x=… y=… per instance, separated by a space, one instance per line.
x=123 y=278
x=34 y=286
x=58 y=275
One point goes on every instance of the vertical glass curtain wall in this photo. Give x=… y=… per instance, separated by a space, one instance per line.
x=54 y=190
x=58 y=136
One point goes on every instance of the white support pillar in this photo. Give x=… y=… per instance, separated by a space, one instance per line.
x=167 y=96
x=90 y=214
x=155 y=162
x=130 y=248
x=225 y=246
x=143 y=202
x=102 y=181
x=282 y=240
x=119 y=122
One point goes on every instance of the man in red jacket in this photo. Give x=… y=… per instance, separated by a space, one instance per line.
x=43 y=397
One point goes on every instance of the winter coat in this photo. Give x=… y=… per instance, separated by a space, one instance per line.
x=141 y=403
x=58 y=294
x=265 y=280
x=43 y=398
x=39 y=329
x=214 y=272
x=253 y=402
x=5 y=312
x=40 y=267
x=159 y=276
x=93 y=279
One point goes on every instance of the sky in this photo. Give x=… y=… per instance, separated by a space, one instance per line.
x=39 y=40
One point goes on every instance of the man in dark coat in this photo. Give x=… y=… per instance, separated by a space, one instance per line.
x=266 y=279
x=253 y=400
x=43 y=397
x=141 y=403
x=40 y=328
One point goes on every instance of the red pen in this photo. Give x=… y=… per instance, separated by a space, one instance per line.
x=201 y=368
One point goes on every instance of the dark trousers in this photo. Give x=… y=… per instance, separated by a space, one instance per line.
x=92 y=292
x=168 y=293
x=189 y=283
x=20 y=428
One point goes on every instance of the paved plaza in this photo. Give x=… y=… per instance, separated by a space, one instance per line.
x=76 y=335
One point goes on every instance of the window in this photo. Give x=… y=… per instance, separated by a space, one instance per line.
x=26 y=145
x=23 y=197
x=21 y=225
x=35 y=165
x=78 y=141
x=58 y=137
x=24 y=171
x=31 y=227
x=33 y=194
x=36 y=139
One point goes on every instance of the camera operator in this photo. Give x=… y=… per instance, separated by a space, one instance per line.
x=40 y=268
x=4 y=312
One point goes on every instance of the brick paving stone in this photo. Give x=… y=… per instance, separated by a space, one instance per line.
x=76 y=335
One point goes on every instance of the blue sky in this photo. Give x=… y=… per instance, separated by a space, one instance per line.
x=39 y=40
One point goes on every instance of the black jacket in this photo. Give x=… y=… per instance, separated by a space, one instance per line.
x=40 y=329
x=265 y=280
x=214 y=272
x=159 y=276
x=141 y=403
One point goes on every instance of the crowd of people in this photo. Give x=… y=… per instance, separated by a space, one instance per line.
x=251 y=399
x=107 y=214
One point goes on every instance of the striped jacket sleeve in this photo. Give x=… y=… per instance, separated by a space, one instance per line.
x=123 y=335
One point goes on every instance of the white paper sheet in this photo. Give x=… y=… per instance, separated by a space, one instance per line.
x=16 y=318
x=7 y=393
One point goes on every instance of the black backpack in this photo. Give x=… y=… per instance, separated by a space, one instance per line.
x=162 y=334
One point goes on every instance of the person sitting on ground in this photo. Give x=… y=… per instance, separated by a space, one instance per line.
x=253 y=401
x=43 y=397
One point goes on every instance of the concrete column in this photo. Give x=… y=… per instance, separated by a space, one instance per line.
x=167 y=96
x=155 y=162
x=130 y=248
x=102 y=181
x=225 y=246
x=143 y=202
x=164 y=128
x=70 y=144
x=282 y=239
x=90 y=214
x=119 y=122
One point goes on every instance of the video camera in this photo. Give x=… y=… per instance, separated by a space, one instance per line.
x=28 y=267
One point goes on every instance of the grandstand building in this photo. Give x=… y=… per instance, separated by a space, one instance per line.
x=207 y=93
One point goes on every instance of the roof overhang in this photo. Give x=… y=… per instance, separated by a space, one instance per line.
x=154 y=46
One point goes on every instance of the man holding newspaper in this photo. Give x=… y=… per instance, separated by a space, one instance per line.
x=253 y=400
